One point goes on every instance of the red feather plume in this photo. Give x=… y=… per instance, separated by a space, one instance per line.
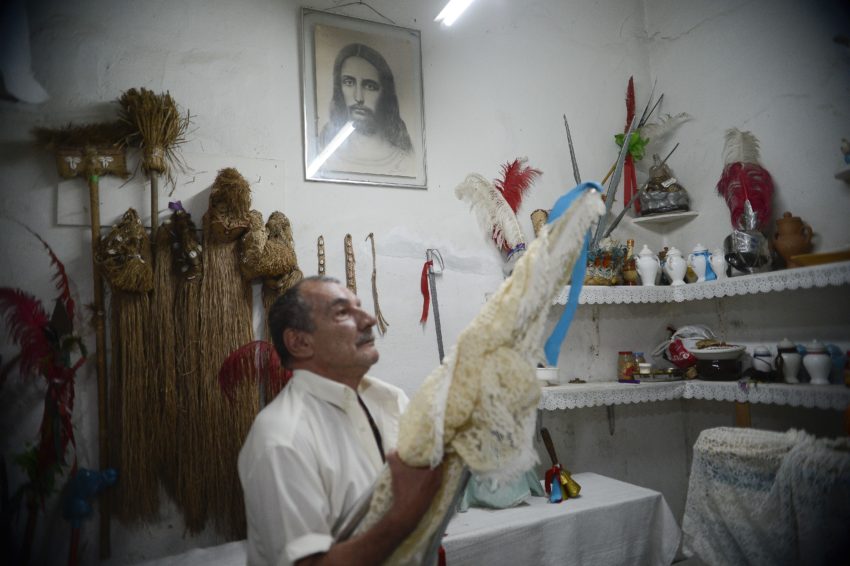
x=515 y=182
x=60 y=277
x=27 y=324
x=630 y=103
x=741 y=182
x=256 y=360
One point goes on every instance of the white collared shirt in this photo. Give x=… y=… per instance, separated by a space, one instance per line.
x=309 y=456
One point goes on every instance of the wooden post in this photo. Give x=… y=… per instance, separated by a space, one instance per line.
x=100 y=356
x=742 y=414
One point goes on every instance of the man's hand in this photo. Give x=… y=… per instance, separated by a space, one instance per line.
x=413 y=491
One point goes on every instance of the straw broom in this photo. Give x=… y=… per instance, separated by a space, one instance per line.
x=91 y=151
x=158 y=128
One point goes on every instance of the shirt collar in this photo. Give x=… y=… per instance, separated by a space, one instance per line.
x=327 y=389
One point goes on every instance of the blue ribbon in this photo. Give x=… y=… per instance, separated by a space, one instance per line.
x=553 y=343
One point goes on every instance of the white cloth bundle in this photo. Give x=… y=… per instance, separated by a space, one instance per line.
x=477 y=409
x=767 y=498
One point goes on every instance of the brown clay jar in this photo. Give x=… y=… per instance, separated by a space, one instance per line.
x=792 y=237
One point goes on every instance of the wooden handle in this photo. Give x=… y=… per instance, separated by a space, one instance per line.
x=550 y=448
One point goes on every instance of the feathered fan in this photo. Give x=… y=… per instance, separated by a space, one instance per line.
x=746 y=186
x=496 y=204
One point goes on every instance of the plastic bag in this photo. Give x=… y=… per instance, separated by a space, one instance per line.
x=676 y=349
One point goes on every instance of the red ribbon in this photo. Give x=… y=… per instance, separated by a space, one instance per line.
x=426 y=295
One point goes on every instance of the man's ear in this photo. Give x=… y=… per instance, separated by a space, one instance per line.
x=298 y=343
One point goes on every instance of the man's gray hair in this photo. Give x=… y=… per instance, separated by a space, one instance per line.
x=291 y=310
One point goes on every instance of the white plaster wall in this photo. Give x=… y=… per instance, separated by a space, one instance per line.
x=495 y=87
x=770 y=67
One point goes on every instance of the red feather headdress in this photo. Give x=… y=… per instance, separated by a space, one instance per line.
x=256 y=360
x=746 y=186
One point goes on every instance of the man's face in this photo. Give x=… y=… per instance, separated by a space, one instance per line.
x=343 y=342
x=361 y=89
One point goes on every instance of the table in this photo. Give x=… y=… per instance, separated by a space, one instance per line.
x=612 y=522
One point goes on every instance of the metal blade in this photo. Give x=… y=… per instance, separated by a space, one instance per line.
x=576 y=174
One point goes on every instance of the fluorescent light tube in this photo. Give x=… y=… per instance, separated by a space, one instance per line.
x=452 y=11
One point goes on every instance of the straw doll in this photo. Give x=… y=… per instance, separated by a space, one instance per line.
x=124 y=258
x=226 y=324
x=268 y=252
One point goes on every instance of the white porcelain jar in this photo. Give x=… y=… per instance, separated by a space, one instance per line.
x=648 y=265
x=817 y=362
x=675 y=267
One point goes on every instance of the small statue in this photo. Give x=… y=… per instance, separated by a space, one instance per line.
x=845 y=149
x=662 y=193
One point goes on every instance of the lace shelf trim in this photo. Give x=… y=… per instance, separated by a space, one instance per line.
x=835 y=397
x=786 y=279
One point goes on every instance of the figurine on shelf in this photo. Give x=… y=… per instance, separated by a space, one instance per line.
x=845 y=149
x=662 y=192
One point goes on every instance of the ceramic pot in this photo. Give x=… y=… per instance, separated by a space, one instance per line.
x=718 y=263
x=818 y=363
x=792 y=237
x=675 y=267
x=762 y=365
x=788 y=361
x=699 y=261
x=648 y=266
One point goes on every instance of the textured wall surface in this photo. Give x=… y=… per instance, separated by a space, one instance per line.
x=495 y=87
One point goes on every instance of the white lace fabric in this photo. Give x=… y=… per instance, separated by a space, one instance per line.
x=768 y=498
x=478 y=408
x=601 y=393
x=788 y=279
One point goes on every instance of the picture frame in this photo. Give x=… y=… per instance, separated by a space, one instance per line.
x=364 y=118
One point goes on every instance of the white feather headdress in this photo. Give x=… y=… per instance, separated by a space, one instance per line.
x=493 y=212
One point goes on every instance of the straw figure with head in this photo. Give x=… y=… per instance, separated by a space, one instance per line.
x=124 y=257
x=268 y=253
x=183 y=258
x=226 y=324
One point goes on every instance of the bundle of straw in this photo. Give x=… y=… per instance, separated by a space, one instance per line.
x=163 y=345
x=191 y=429
x=269 y=252
x=124 y=258
x=226 y=324
x=157 y=126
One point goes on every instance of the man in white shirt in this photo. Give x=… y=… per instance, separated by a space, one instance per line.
x=319 y=445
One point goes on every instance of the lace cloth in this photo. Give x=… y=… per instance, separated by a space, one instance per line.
x=788 y=279
x=768 y=498
x=597 y=394
x=478 y=408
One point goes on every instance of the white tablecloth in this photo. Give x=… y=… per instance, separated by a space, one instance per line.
x=611 y=523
